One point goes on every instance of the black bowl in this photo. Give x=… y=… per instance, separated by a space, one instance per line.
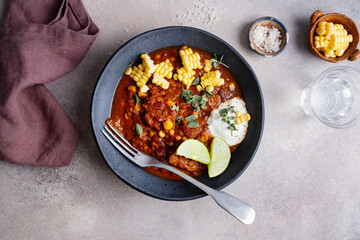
x=104 y=91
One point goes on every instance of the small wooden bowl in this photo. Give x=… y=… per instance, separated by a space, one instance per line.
x=352 y=53
x=269 y=22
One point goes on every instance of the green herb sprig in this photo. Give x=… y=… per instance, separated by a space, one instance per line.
x=192 y=123
x=196 y=101
x=186 y=95
x=175 y=107
x=178 y=119
x=137 y=99
x=207 y=93
x=217 y=62
x=196 y=81
x=225 y=117
x=138 y=129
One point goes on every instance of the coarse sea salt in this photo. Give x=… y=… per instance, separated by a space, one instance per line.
x=267 y=39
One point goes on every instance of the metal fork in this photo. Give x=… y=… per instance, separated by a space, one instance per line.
x=232 y=205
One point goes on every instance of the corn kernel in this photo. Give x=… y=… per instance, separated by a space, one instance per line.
x=128 y=71
x=322 y=24
x=232 y=86
x=144 y=88
x=344 y=46
x=184 y=138
x=339 y=52
x=132 y=89
x=151 y=133
x=329 y=53
x=210 y=88
x=320 y=31
x=245 y=117
x=204 y=137
x=199 y=88
x=161 y=134
x=141 y=67
x=137 y=107
x=165 y=85
x=177 y=138
x=170 y=103
x=168 y=124
x=172 y=131
x=143 y=94
x=317 y=44
x=157 y=56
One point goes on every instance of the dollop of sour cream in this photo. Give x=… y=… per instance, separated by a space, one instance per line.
x=219 y=128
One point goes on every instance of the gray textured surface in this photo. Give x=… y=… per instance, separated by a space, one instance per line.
x=303 y=181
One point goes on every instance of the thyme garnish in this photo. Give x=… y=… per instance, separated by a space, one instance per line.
x=217 y=62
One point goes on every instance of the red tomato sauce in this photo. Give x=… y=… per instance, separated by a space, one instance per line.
x=154 y=111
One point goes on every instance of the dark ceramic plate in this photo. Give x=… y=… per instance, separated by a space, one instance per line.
x=109 y=79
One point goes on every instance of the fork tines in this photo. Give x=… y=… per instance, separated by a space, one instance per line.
x=119 y=141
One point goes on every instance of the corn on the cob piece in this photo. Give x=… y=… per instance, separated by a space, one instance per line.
x=208 y=65
x=184 y=76
x=190 y=60
x=160 y=81
x=141 y=73
x=148 y=63
x=211 y=79
x=333 y=39
x=164 y=69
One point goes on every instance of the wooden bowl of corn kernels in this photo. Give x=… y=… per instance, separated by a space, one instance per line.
x=334 y=37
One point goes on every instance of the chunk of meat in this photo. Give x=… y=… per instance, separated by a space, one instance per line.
x=184 y=163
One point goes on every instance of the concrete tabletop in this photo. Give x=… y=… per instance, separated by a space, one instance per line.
x=303 y=181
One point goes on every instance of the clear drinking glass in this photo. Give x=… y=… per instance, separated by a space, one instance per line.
x=334 y=97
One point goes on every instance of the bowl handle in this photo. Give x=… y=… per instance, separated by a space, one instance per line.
x=355 y=55
x=315 y=16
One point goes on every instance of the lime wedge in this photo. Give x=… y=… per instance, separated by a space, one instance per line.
x=195 y=150
x=219 y=157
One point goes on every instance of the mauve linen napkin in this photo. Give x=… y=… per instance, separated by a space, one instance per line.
x=40 y=41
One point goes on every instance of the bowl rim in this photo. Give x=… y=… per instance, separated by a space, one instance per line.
x=312 y=32
x=271 y=19
x=202 y=194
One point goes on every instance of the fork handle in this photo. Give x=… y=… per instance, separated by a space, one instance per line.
x=232 y=205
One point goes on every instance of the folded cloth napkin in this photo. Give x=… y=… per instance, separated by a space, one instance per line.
x=40 y=41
